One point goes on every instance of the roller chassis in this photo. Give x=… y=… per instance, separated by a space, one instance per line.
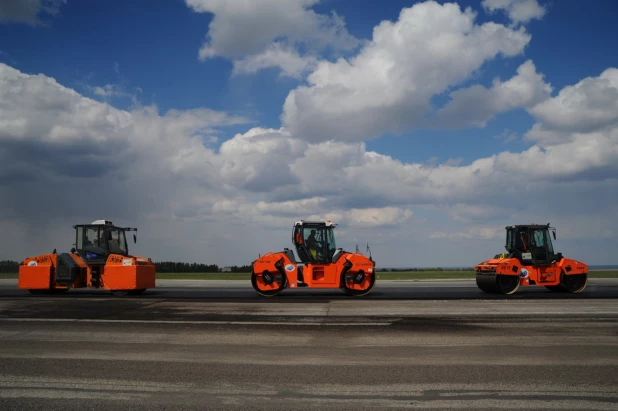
x=531 y=261
x=102 y=264
x=353 y=273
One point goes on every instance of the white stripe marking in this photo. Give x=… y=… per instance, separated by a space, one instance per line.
x=98 y=320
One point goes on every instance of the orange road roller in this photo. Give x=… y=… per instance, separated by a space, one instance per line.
x=530 y=260
x=321 y=265
x=100 y=259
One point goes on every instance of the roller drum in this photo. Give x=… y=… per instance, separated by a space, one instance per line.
x=497 y=284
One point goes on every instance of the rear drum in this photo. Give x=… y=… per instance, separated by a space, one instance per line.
x=268 y=284
x=498 y=284
x=357 y=284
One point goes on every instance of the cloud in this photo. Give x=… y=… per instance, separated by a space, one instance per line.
x=378 y=217
x=388 y=86
x=518 y=11
x=477 y=213
x=28 y=11
x=88 y=159
x=480 y=233
x=270 y=33
x=112 y=90
x=259 y=160
x=476 y=105
x=291 y=63
x=52 y=135
x=590 y=105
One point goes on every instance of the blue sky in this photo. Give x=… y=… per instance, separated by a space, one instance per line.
x=155 y=50
x=141 y=60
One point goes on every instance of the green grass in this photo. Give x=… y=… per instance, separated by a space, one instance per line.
x=403 y=275
x=603 y=274
x=406 y=275
x=424 y=275
x=204 y=276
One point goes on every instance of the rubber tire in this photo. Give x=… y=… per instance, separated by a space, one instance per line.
x=358 y=293
x=120 y=293
x=139 y=291
x=270 y=293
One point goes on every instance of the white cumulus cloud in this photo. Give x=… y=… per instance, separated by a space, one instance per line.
x=387 y=87
x=476 y=105
x=267 y=33
x=288 y=59
x=591 y=104
x=482 y=233
x=519 y=11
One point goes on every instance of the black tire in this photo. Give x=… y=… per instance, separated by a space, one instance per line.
x=120 y=293
x=268 y=293
x=137 y=292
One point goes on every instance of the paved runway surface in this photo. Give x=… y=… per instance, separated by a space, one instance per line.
x=215 y=345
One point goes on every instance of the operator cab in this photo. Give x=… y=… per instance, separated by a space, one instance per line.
x=531 y=244
x=315 y=242
x=95 y=242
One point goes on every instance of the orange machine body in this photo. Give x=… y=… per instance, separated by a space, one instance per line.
x=530 y=261
x=323 y=267
x=315 y=275
x=549 y=275
x=119 y=273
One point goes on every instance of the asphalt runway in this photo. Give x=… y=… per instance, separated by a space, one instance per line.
x=216 y=345
x=221 y=290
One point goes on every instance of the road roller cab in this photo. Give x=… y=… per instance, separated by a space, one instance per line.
x=320 y=264
x=100 y=259
x=530 y=260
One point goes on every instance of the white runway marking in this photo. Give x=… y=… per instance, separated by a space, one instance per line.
x=300 y=323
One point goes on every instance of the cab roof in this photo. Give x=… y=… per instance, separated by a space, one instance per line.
x=326 y=223
x=102 y=222
x=528 y=226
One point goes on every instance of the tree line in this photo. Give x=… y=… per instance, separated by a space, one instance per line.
x=395 y=270
x=178 y=267
x=8 y=266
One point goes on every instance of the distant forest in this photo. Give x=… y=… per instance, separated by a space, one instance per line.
x=395 y=270
x=175 y=267
x=7 y=266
